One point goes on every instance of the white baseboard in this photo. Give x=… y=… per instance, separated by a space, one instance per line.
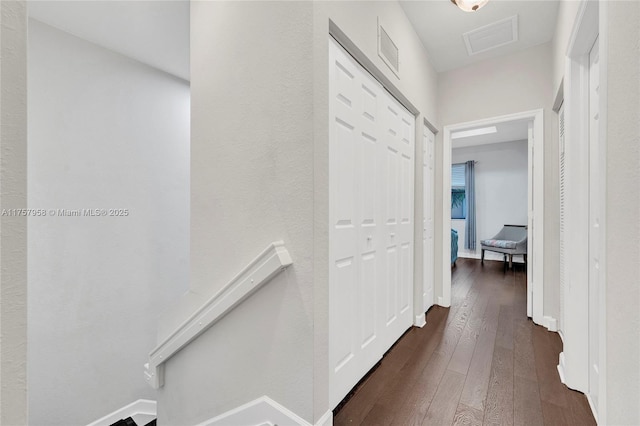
x=561 y=336
x=420 y=321
x=551 y=323
x=561 y=367
x=142 y=411
x=264 y=411
x=326 y=419
x=593 y=408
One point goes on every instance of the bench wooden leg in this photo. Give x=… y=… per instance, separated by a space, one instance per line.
x=482 y=256
x=510 y=261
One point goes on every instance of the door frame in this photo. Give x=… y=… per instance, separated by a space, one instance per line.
x=428 y=253
x=574 y=365
x=535 y=303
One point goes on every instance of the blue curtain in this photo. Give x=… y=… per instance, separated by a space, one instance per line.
x=470 y=197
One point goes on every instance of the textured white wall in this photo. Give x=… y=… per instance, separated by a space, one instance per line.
x=501 y=189
x=506 y=85
x=622 y=210
x=13 y=229
x=107 y=132
x=251 y=184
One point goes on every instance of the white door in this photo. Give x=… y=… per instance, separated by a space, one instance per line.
x=428 y=140
x=594 y=224
x=530 y=223
x=371 y=173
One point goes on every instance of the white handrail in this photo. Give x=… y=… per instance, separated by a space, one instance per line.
x=272 y=260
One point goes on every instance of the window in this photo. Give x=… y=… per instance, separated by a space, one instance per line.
x=458 y=201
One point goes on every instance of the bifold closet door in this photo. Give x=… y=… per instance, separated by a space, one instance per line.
x=370 y=218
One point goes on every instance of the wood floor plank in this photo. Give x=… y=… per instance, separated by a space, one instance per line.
x=467 y=416
x=504 y=338
x=499 y=402
x=461 y=358
x=527 y=409
x=365 y=397
x=445 y=402
x=415 y=408
x=553 y=414
x=524 y=360
x=477 y=383
x=481 y=361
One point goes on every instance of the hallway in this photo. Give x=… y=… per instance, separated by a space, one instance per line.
x=479 y=362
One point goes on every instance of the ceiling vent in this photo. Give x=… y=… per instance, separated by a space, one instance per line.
x=387 y=50
x=492 y=36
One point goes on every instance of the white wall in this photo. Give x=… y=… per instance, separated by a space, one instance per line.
x=505 y=85
x=251 y=184
x=105 y=132
x=622 y=209
x=13 y=229
x=260 y=86
x=501 y=191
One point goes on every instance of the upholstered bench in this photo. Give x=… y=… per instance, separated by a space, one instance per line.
x=512 y=239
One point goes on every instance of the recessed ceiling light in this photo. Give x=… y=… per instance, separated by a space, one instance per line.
x=469 y=5
x=474 y=132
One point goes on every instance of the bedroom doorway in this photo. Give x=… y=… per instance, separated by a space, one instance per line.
x=535 y=202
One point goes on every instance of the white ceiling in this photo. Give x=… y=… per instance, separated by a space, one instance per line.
x=157 y=32
x=153 y=32
x=506 y=132
x=440 y=25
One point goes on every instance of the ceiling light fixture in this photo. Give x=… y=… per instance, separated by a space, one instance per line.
x=469 y=5
x=474 y=132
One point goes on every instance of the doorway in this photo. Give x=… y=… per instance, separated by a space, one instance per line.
x=535 y=207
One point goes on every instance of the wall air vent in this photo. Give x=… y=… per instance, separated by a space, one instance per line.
x=387 y=50
x=492 y=36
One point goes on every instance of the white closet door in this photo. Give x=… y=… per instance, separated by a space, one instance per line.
x=371 y=222
x=344 y=274
x=428 y=140
x=397 y=221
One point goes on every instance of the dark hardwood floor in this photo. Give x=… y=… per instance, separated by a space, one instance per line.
x=479 y=362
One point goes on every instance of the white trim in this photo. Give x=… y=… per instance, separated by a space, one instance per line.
x=586 y=29
x=420 y=321
x=326 y=419
x=593 y=408
x=264 y=411
x=274 y=259
x=141 y=407
x=603 y=34
x=537 y=116
x=550 y=323
x=561 y=367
